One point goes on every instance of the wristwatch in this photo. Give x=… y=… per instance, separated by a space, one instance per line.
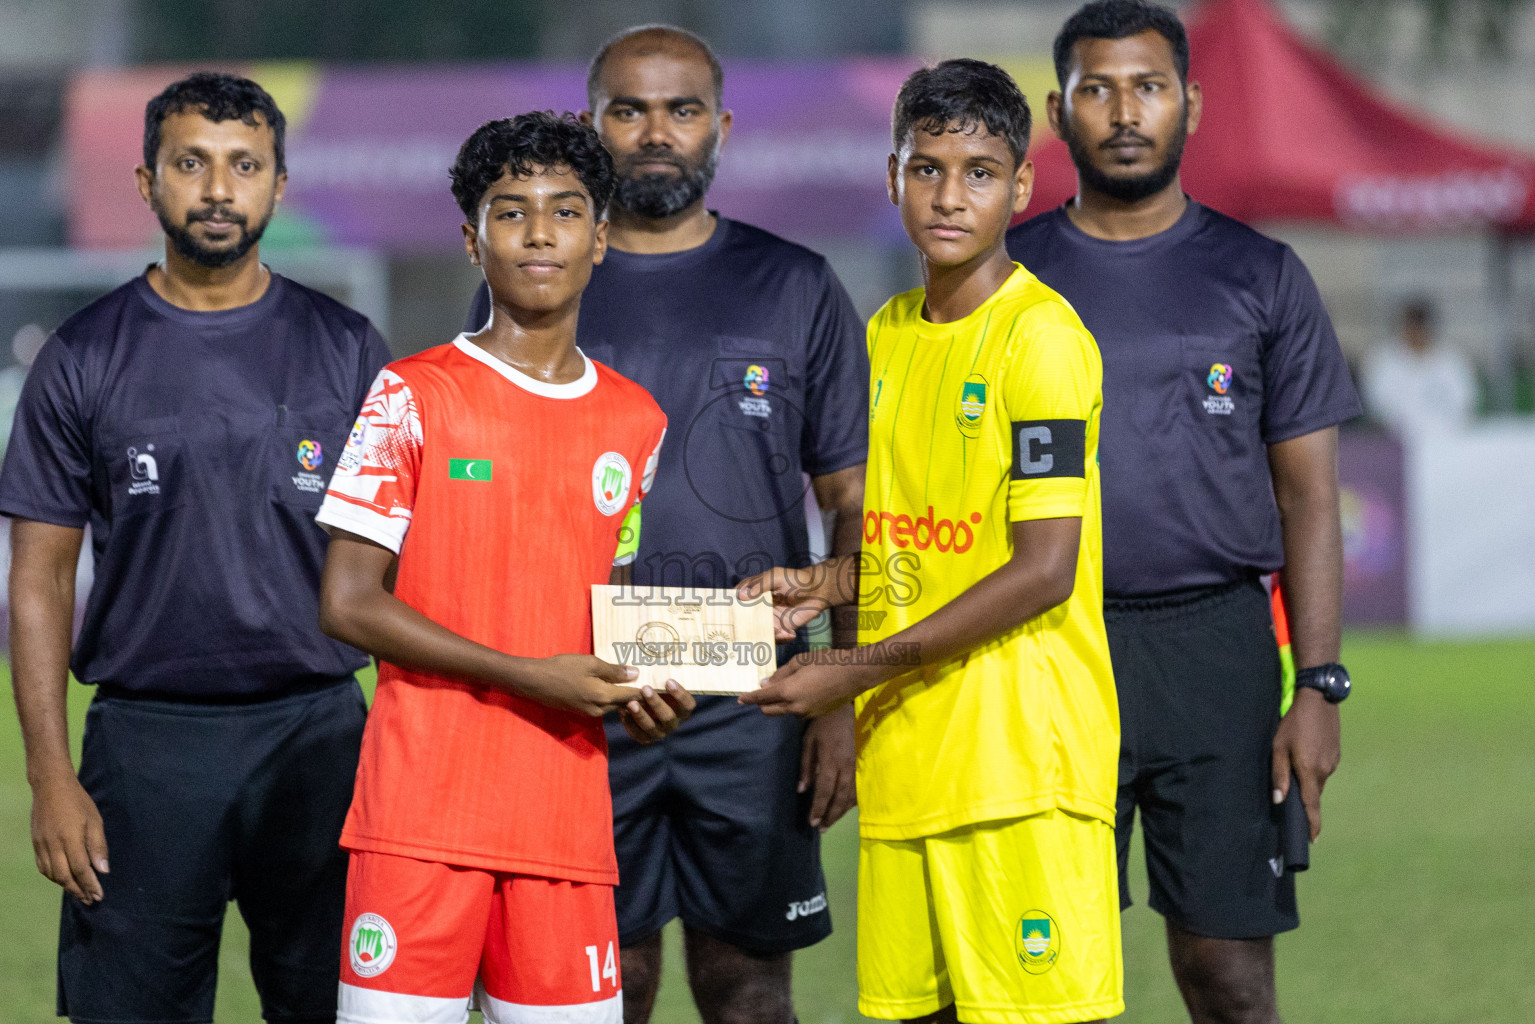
x=1331 y=680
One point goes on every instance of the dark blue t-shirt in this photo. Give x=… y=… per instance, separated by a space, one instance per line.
x=197 y=447
x=1215 y=345
x=754 y=351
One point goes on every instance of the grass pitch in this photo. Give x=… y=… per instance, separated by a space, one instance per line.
x=1417 y=909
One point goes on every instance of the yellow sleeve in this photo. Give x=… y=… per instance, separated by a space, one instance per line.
x=1053 y=392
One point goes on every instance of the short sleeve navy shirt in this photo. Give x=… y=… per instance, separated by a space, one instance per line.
x=1215 y=345
x=197 y=447
x=754 y=351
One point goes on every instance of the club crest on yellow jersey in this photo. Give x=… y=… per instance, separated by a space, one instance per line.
x=971 y=409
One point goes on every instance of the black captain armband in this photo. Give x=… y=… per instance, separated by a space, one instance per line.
x=1046 y=448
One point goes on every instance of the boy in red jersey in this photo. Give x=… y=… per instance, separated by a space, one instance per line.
x=480 y=494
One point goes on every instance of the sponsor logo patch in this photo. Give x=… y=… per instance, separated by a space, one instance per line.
x=610 y=482
x=923 y=532
x=144 y=471
x=371 y=946
x=1037 y=941
x=804 y=908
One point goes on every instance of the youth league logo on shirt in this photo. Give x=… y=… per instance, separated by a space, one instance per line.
x=310 y=455
x=756 y=379
x=310 y=458
x=1219 y=380
x=756 y=383
x=610 y=482
x=352 y=454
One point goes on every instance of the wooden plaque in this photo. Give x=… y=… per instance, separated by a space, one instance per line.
x=710 y=641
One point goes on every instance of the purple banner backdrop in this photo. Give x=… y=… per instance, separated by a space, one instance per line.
x=369 y=149
x=1373 y=498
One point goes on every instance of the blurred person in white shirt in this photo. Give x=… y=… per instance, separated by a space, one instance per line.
x=24 y=346
x=1414 y=385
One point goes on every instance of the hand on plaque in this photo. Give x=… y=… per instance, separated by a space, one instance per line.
x=810 y=685
x=655 y=715
x=799 y=595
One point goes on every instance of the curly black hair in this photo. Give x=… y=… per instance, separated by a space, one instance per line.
x=527 y=143
x=218 y=97
x=1120 y=19
x=958 y=95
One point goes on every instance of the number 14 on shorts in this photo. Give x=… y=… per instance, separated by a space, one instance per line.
x=608 y=971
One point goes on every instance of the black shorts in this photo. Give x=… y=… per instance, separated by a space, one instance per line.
x=708 y=827
x=202 y=805
x=1199 y=688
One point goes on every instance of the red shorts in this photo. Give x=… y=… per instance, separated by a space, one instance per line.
x=421 y=939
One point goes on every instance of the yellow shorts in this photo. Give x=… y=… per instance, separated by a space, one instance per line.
x=1015 y=922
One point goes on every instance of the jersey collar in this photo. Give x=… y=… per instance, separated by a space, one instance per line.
x=575 y=389
x=1020 y=277
x=1187 y=223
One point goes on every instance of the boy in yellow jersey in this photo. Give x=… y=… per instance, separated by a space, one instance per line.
x=988 y=731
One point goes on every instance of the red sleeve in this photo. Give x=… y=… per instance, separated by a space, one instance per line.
x=648 y=475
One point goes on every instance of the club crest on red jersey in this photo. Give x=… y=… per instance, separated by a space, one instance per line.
x=610 y=482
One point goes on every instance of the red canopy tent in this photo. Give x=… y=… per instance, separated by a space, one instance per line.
x=1289 y=134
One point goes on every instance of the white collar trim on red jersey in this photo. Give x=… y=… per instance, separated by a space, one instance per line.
x=575 y=389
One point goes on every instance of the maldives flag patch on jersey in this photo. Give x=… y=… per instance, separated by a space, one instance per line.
x=470 y=469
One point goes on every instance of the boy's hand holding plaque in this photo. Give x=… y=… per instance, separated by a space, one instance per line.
x=710 y=641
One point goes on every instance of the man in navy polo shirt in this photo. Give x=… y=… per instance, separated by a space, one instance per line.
x=756 y=355
x=190 y=419
x=1223 y=385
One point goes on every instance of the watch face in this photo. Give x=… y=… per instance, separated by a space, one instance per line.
x=1332 y=681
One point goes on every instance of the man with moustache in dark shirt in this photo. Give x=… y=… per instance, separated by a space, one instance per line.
x=1223 y=388
x=190 y=418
